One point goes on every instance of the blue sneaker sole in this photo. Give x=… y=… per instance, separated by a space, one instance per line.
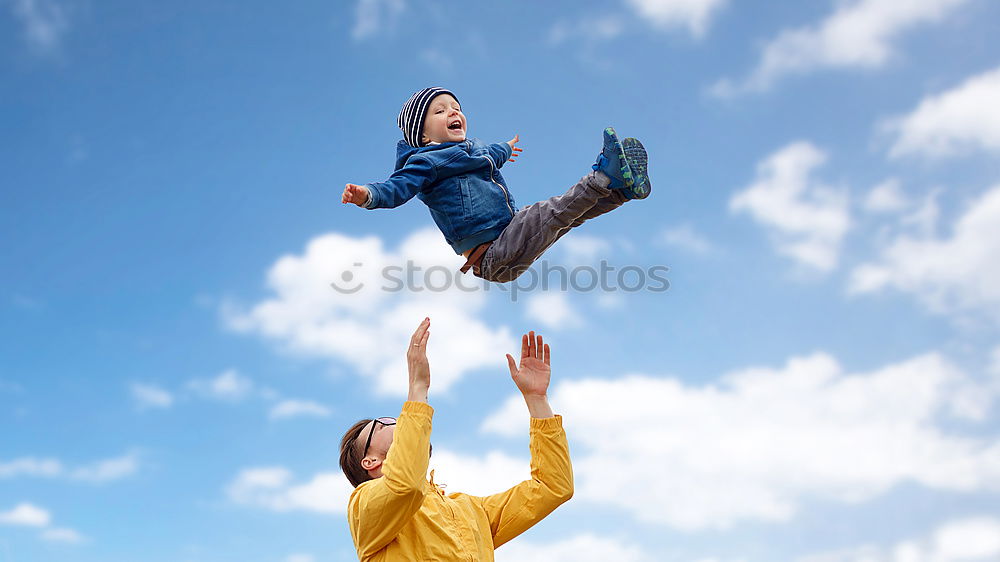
x=635 y=156
x=626 y=172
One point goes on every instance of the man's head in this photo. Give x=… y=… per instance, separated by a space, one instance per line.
x=364 y=447
x=432 y=115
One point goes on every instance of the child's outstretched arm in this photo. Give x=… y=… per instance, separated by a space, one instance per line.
x=402 y=185
x=503 y=152
x=514 y=151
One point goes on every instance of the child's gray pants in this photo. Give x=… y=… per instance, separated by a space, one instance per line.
x=536 y=227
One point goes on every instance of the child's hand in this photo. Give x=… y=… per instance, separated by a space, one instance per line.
x=515 y=152
x=357 y=194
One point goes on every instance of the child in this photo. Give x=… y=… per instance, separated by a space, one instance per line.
x=459 y=180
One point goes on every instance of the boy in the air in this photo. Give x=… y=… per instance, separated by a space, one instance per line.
x=460 y=182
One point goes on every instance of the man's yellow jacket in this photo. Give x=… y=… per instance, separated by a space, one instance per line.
x=402 y=516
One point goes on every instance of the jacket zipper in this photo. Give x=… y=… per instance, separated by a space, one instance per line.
x=506 y=196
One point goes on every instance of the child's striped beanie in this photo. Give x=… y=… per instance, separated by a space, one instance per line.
x=411 y=117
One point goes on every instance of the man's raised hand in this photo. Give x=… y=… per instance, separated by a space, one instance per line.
x=353 y=193
x=515 y=151
x=416 y=362
x=533 y=372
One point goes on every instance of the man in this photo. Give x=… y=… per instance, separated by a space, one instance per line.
x=396 y=514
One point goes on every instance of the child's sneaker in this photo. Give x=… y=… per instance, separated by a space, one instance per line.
x=635 y=157
x=612 y=163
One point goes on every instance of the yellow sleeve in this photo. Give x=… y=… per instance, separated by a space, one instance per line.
x=379 y=508
x=512 y=512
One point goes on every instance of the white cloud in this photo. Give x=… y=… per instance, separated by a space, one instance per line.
x=552 y=310
x=761 y=441
x=297 y=408
x=45 y=23
x=667 y=14
x=479 y=476
x=107 y=470
x=62 y=534
x=367 y=320
x=28 y=466
x=686 y=238
x=593 y=29
x=580 y=548
x=958 y=121
x=581 y=248
x=858 y=34
x=968 y=539
x=924 y=219
x=956 y=274
x=151 y=396
x=100 y=471
x=971 y=539
x=25 y=514
x=807 y=219
x=229 y=385
x=272 y=488
x=886 y=197
x=29 y=515
x=372 y=17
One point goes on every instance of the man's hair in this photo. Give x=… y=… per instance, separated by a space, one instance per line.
x=350 y=455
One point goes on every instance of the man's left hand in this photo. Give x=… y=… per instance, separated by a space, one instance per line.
x=533 y=372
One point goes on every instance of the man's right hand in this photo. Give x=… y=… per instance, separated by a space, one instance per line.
x=532 y=374
x=417 y=364
x=353 y=193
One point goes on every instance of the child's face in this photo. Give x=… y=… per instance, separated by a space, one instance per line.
x=445 y=121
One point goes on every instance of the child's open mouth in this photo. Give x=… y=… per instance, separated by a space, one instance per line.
x=456 y=126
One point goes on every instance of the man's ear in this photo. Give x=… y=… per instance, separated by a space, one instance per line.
x=370 y=463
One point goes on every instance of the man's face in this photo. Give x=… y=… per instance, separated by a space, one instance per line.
x=444 y=122
x=381 y=439
x=378 y=448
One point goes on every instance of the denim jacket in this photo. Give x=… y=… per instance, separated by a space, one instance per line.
x=461 y=184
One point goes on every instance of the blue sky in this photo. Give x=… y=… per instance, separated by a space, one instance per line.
x=819 y=383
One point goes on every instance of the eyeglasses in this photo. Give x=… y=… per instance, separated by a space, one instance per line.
x=383 y=421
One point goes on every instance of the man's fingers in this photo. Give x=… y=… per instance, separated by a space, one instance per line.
x=516 y=149
x=524 y=345
x=512 y=365
x=531 y=343
x=419 y=333
x=538 y=347
x=547 y=355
